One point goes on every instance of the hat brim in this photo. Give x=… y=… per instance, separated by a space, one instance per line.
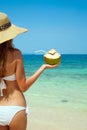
x=11 y=33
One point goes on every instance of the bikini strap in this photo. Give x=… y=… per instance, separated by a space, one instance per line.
x=10 y=78
x=3 y=84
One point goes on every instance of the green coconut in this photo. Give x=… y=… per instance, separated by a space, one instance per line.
x=52 y=57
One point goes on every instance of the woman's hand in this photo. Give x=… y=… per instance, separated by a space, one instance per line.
x=47 y=66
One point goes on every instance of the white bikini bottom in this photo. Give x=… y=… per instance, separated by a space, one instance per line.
x=8 y=112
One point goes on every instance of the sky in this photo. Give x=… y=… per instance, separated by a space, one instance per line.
x=58 y=24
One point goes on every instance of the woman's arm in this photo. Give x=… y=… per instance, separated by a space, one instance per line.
x=24 y=83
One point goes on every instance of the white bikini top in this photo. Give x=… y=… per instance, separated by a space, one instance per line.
x=3 y=84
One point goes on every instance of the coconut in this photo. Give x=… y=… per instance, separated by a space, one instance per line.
x=52 y=57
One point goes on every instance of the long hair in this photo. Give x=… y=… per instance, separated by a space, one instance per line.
x=4 y=47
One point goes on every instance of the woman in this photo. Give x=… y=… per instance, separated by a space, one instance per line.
x=13 y=114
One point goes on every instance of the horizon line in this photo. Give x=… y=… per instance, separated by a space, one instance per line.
x=61 y=53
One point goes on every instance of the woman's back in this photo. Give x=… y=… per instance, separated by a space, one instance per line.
x=12 y=93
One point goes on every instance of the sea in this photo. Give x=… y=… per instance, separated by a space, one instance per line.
x=64 y=86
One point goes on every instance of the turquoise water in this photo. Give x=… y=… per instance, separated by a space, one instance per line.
x=63 y=86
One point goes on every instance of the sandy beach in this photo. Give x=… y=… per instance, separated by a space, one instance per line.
x=61 y=118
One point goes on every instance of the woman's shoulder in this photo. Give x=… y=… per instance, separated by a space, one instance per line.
x=17 y=53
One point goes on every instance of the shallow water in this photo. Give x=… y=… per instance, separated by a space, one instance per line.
x=58 y=99
x=64 y=86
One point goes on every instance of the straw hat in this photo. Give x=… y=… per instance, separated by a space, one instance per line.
x=7 y=30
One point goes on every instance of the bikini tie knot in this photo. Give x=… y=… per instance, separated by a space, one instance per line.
x=2 y=86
